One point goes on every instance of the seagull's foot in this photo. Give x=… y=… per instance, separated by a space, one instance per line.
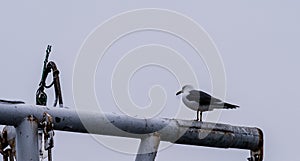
x=197 y=119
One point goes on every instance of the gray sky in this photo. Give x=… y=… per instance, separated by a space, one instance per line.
x=258 y=42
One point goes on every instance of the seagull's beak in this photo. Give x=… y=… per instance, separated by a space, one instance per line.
x=178 y=93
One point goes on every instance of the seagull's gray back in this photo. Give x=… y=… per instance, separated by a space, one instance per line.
x=202 y=98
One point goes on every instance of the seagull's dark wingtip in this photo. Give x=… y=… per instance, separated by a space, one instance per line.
x=230 y=106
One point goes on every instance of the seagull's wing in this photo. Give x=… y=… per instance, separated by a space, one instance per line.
x=202 y=97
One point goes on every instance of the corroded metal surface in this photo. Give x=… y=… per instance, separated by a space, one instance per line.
x=221 y=135
x=171 y=130
x=7 y=143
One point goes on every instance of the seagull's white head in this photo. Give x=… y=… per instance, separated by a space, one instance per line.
x=185 y=89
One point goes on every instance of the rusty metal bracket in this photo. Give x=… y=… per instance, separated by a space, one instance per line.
x=7 y=143
x=48 y=131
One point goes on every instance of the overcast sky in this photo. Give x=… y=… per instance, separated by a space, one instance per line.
x=258 y=42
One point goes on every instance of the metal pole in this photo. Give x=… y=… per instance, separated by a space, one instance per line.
x=171 y=130
x=148 y=147
x=27 y=140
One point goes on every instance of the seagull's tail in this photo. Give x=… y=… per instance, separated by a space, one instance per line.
x=230 y=106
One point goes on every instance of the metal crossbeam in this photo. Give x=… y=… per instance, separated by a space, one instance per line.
x=171 y=130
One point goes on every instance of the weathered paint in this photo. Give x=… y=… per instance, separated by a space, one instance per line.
x=148 y=147
x=27 y=140
x=171 y=130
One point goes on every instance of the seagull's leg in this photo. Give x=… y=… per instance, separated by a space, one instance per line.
x=200 y=116
x=197 y=115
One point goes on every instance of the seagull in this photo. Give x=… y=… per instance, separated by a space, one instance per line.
x=200 y=101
